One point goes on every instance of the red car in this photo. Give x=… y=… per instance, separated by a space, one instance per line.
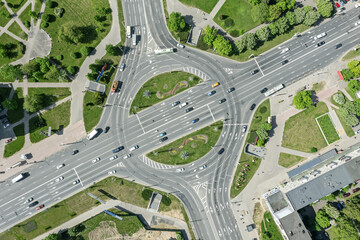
x=346 y=195
x=9 y=140
x=356 y=190
x=40 y=207
x=337 y=5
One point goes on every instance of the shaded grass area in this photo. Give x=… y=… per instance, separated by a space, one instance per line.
x=52 y=95
x=352 y=54
x=301 y=131
x=248 y=165
x=25 y=17
x=18 y=114
x=205 y=6
x=328 y=128
x=196 y=148
x=112 y=187
x=348 y=130
x=289 y=160
x=4 y=20
x=16 y=53
x=16 y=29
x=164 y=84
x=4 y=93
x=58 y=118
x=17 y=144
x=239 y=11
x=16 y=5
x=81 y=12
x=271 y=230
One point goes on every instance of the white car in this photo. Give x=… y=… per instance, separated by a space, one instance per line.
x=285 y=50
x=320 y=35
x=134 y=147
x=127 y=156
x=60 y=166
x=180 y=169
x=357 y=5
x=357 y=23
x=202 y=167
x=112 y=172
x=59 y=179
x=76 y=181
x=6 y=125
x=180 y=45
x=113 y=157
x=96 y=160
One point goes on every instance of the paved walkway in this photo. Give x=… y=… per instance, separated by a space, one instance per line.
x=149 y=217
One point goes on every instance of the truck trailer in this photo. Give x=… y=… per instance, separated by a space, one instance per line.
x=18 y=178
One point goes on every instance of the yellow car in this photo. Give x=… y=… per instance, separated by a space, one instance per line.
x=215 y=84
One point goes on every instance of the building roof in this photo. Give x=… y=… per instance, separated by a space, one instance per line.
x=95 y=87
x=277 y=201
x=294 y=227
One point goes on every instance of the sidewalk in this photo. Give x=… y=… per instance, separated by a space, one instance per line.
x=149 y=217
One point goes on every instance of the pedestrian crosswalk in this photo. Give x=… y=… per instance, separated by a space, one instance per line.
x=196 y=72
x=156 y=165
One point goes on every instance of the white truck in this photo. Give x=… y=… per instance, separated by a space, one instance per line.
x=92 y=134
x=18 y=178
x=128 y=31
x=134 y=38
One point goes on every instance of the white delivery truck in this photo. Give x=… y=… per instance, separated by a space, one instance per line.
x=92 y=134
x=134 y=38
x=18 y=178
x=128 y=31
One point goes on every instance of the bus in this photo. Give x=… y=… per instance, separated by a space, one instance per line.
x=274 y=90
x=128 y=31
x=115 y=86
x=162 y=51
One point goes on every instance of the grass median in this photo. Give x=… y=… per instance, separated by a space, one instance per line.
x=352 y=54
x=17 y=144
x=288 y=160
x=161 y=87
x=328 y=128
x=190 y=147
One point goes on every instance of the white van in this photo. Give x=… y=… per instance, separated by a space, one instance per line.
x=183 y=104
x=92 y=134
x=134 y=147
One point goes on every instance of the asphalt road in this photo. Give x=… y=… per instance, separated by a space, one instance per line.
x=205 y=193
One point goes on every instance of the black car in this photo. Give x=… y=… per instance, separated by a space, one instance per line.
x=189 y=109
x=338 y=46
x=284 y=62
x=221 y=151
x=230 y=90
x=263 y=90
x=107 y=129
x=222 y=100
x=253 y=107
x=320 y=43
x=3 y=116
x=33 y=204
x=118 y=149
x=163 y=139
x=75 y=152
x=255 y=71
x=5 y=121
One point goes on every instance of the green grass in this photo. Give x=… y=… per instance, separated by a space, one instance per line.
x=18 y=114
x=37 y=9
x=301 y=131
x=4 y=20
x=352 y=95
x=52 y=95
x=162 y=84
x=56 y=117
x=317 y=87
x=205 y=6
x=328 y=128
x=331 y=232
x=289 y=160
x=79 y=203
x=16 y=29
x=271 y=228
x=24 y=17
x=352 y=54
x=82 y=13
x=17 y=144
x=16 y=4
x=348 y=130
x=128 y=226
x=239 y=11
x=4 y=93
x=248 y=165
x=170 y=154
x=16 y=52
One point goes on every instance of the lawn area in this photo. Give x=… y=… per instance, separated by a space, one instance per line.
x=301 y=131
x=25 y=17
x=239 y=11
x=269 y=229
x=4 y=20
x=352 y=54
x=328 y=128
x=16 y=29
x=16 y=52
x=289 y=160
x=205 y=6
x=81 y=12
x=248 y=165
x=17 y=144
x=52 y=95
x=15 y=5
x=352 y=95
x=199 y=143
x=162 y=87
x=348 y=130
x=111 y=187
x=56 y=118
x=18 y=114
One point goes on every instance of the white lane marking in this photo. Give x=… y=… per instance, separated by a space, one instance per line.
x=211 y=113
x=140 y=122
x=78 y=177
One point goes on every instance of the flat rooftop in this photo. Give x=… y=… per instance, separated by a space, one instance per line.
x=294 y=227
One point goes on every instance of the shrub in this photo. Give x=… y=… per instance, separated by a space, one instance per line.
x=234 y=33
x=229 y=22
x=45 y=17
x=146 y=194
x=85 y=51
x=222 y=17
x=166 y=200
x=59 y=57
x=59 y=12
x=313 y=149
x=44 y=24
x=51 y=4
x=75 y=55
x=72 y=69
x=263 y=109
x=339 y=98
x=27 y=24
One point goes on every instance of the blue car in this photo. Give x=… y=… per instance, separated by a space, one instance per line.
x=163 y=134
x=195 y=120
x=118 y=149
x=211 y=93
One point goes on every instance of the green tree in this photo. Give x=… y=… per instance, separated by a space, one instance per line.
x=299 y=15
x=350 y=107
x=352 y=64
x=45 y=17
x=52 y=74
x=34 y=102
x=176 y=22
x=222 y=45
x=331 y=211
x=262 y=133
x=274 y=12
x=98 y=98
x=85 y=51
x=311 y=18
x=63 y=76
x=33 y=14
x=325 y=8
x=111 y=50
x=263 y=33
x=210 y=35
x=303 y=100
x=282 y=25
x=71 y=70
x=254 y=2
x=251 y=40
x=322 y=219
x=265 y=125
x=290 y=4
x=345 y=230
x=71 y=32
x=356 y=71
x=30 y=67
x=347 y=74
x=282 y=5
x=240 y=45
x=10 y=73
x=10 y=104
x=273 y=29
x=53 y=236
x=291 y=18
x=260 y=12
x=354 y=85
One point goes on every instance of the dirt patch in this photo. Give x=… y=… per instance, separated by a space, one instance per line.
x=182 y=84
x=197 y=137
x=165 y=86
x=258 y=216
x=150 y=235
x=175 y=214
